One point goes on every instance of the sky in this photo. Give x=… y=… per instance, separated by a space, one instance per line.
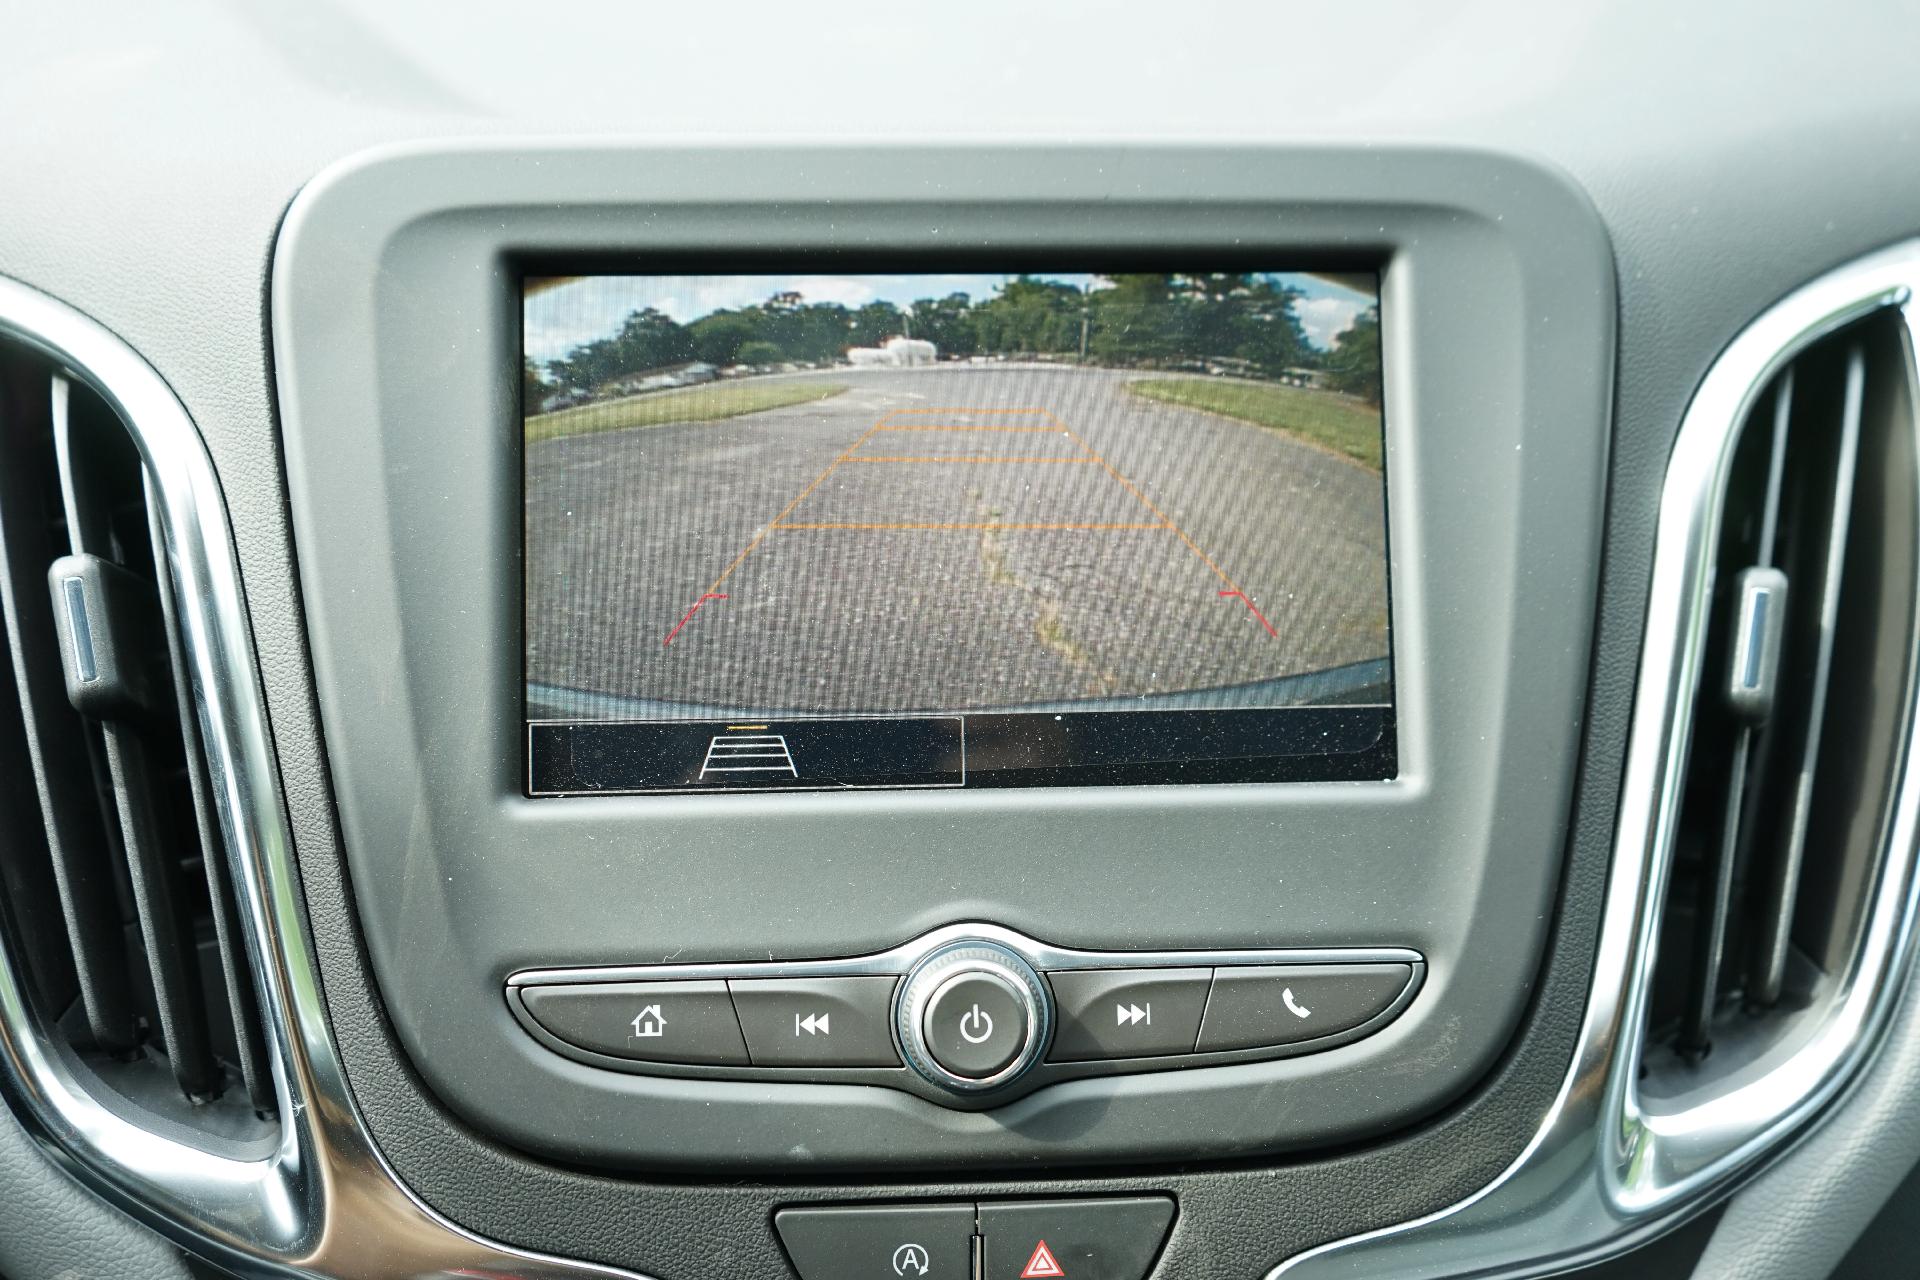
x=561 y=318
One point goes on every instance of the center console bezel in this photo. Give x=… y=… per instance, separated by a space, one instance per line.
x=396 y=332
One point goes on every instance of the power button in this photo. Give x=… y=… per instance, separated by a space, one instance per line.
x=972 y=1016
x=976 y=1024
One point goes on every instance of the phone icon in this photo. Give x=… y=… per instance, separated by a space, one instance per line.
x=1294 y=1007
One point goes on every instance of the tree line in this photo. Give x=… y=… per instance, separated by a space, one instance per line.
x=1138 y=320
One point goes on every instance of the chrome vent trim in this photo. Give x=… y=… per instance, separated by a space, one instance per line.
x=323 y=1202
x=1606 y=1171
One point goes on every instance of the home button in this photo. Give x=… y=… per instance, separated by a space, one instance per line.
x=682 y=1022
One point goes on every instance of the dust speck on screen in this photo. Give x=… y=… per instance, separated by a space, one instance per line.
x=822 y=532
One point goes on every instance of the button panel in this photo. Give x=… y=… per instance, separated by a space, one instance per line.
x=984 y=1015
x=1110 y=1238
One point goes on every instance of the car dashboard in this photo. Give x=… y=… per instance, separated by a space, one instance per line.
x=997 y=645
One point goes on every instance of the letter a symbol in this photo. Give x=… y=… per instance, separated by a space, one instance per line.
x=1042 y=1264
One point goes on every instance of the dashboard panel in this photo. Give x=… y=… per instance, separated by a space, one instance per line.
x=431 y=779
x=285 y=286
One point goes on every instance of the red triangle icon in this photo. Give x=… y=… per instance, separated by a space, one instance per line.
x=1042 y=1264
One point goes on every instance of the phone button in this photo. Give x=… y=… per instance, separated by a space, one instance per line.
x=1260 y=1006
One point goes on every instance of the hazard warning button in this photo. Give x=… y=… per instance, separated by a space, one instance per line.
x=1042 y=1263
x=1106 y=1239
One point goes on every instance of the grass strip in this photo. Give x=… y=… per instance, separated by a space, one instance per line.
x=706 y=403
x=1340 y=423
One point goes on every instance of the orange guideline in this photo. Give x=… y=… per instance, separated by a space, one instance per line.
x=767 y=528
x=1146 y=502
x=1161 y=520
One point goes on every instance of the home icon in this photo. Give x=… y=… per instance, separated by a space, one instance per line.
x=649 y=1023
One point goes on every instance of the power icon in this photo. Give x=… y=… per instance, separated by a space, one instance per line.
x=976 y=1025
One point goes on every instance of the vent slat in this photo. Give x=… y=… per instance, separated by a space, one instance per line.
x=165 y=930
x=1716 y=909
x=249 y=1034
x=1749 y=694
x=1778 y=893
x=101 y=479
x=1764 y=552
x=81 y=861
x=89 y=528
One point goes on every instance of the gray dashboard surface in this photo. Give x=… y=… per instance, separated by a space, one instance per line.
x=51 y=1226
x=1733 y=150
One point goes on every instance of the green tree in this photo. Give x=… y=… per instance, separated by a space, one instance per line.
x=717 y=338
x=947 y=323
x=1353 y=366
x=874 y=323
x=802 y=331
x=1237 y=315
x=1029 y=315
x=1129 y=320
x=1268 y=329
x=1132 y=320
x=650 y=339
x=819 y=332
x=647 y=339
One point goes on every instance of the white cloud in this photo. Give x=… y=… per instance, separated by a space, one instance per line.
x=1327 y=318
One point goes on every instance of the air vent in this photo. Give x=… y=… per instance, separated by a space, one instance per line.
x=117 y=886
x=1799 y=717
x=189 y=1077
x=1758 y=926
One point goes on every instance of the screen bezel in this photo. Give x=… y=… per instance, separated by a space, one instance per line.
x=1378 y=762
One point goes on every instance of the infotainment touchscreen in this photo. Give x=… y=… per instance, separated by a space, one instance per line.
x=813 y=531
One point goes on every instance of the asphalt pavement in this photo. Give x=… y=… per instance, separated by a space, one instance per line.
x=949 y=538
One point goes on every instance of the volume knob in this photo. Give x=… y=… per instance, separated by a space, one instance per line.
x=972 y=1016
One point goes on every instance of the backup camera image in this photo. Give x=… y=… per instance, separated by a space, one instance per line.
x=868 y=530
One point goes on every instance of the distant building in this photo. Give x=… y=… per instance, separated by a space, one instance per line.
x=894 y=353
